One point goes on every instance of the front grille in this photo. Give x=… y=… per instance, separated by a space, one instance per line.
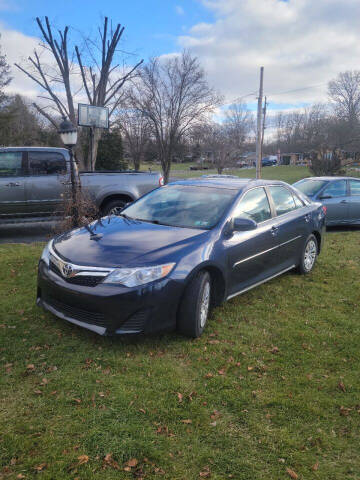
x=94 y=318
x=136 y=322
x=84 y=280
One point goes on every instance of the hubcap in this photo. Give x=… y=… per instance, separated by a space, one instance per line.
x=115 y=210
x=204 y=305
x=310 y=255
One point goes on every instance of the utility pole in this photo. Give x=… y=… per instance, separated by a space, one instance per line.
x=263 y=133
x=258 y=126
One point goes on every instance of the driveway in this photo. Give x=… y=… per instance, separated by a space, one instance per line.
x=26 y=232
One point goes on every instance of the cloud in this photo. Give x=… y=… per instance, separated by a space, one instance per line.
x=301 y=43
x=179 y=10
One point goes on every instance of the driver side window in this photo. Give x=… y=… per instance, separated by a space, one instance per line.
x=254 y=205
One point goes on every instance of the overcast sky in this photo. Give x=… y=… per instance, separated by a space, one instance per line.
x=301 y=43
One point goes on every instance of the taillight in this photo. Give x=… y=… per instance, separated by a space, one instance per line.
x=324 y=209
x=161 y=181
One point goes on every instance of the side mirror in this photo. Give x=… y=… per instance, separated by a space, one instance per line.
x=325 y=197
x=243 y=225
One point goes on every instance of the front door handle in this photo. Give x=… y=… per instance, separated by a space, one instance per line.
x=307 y=217
x=274 y=230
x=343 y=201
x=12 y=184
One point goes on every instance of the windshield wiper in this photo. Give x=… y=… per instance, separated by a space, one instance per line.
x=126 y=216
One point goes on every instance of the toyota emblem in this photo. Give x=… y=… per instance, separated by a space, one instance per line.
x=67 y=270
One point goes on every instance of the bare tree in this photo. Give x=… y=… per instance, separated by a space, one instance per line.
x=219 y=144
x=239 y=122
x=174 y=94
x=135 y=127
x=344 y=92
x=101 y=78
x=5 y=78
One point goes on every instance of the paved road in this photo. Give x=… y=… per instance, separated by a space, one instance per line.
x=26 y=232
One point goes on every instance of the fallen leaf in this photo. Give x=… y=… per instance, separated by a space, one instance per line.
x=187 y=421
x=20 y=476
x=109 y=461
x=142 y=410
x=275 y=350
x=38 y=392
x=221 y=372
x=83 y=459
x=292 y=474
x=342 y=386
x=132 y=462
x=77 y=400
x=180 y=396
x=344 y=411
x=205 y=473
x=40 y=467
x=315 y=466
x=209 y=375
x=250 y=368
x=30 y=367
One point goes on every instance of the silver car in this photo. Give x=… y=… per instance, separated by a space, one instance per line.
x=340 y=195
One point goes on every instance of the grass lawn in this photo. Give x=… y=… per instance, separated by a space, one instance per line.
x=271 y=390
x=287 y=173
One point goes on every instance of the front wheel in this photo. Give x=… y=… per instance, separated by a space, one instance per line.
x=309 y=255
x=195 y=306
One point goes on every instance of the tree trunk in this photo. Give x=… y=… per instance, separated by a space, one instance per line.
x=165 y=164
x=95 y=135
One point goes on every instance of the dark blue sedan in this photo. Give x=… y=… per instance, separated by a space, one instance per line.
x=179 y=250
x=340 y=195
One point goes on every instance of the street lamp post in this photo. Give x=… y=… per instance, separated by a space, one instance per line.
x=68 y=134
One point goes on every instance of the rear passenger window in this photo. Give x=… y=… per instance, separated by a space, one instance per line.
x=46 y=163
x=283 y=199
x=354 y=187
x=254 y=205
x=10 y=164
x=335 y=189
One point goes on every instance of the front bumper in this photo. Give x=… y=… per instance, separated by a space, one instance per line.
x=111 y=309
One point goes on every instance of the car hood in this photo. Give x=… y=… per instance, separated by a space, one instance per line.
x=119 y=242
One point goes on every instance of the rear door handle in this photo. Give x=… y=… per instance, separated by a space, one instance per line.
x=12 y=184
x=274 y=230
x=343 y=201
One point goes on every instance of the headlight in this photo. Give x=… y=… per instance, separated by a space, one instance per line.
x=132 y=277
x=46 y=253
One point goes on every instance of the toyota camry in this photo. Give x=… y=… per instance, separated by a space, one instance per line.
x=169 y=257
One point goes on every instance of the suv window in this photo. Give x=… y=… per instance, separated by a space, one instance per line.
x=46 y=163
x=354 y=187
x=336 y=189
x=283 y=199
x=254 y=205
x=10 y=164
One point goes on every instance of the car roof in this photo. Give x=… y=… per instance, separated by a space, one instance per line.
x=229 y=183
x=329 y=179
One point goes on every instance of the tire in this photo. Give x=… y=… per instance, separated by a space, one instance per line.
x=193 y=313
x=308 y=255
x=113 y=207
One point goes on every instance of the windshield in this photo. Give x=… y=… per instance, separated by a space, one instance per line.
x=187 y=206
x=310 y=187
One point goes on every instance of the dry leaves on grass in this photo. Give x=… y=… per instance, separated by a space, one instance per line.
x=132 y=463
x=41 y=467
x=341 y=386
x=205 y=473
x=83 y=459
x=110 y=462
x=292 y=474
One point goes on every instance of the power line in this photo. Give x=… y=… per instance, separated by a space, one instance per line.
x=298 y=89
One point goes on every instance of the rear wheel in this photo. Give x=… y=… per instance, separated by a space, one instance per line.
x=113 y=207
x=195 y=306
x=309 y=255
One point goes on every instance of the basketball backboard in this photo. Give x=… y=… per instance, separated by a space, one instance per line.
x=91 y=116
